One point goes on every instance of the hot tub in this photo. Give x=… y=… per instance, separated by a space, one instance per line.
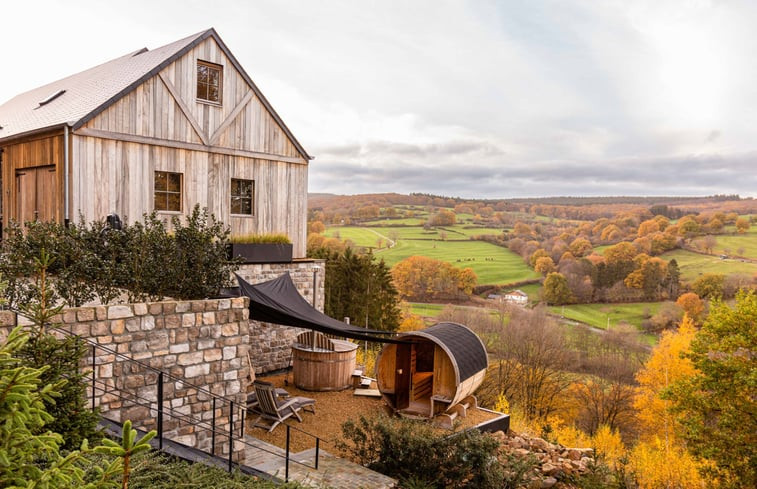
x=320 y=369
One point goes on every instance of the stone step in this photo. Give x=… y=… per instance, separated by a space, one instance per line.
x=333 y=472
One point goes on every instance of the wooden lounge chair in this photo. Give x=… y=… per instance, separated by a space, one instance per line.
x=272 y=411
x=252 y=397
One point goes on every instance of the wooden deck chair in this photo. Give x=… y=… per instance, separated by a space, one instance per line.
x=273 y=411
x=252 y=397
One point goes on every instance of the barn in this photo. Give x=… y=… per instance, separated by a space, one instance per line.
x=155 y=130
x=432 y=371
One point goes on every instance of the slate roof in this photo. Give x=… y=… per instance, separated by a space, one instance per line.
x=91 y=91
x=462 y=344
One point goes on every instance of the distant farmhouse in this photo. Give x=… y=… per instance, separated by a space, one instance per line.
x=158 y=130
x=513 y=297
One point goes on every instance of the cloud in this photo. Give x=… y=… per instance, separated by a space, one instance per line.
x=488 y=98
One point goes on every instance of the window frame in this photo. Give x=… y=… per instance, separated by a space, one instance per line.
x=167 y=192
x=212 y=66
x=251 y=196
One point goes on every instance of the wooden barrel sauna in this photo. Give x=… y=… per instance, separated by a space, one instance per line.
x=436 y=369
x=323 y=365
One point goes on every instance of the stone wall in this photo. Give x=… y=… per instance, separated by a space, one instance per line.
x=203 y=343
x=271 y=344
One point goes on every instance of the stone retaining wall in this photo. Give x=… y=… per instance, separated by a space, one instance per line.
x=271 y=344
x=204 y=343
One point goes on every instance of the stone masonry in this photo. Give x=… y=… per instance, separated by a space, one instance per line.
x=204 y=343
x=271 y=344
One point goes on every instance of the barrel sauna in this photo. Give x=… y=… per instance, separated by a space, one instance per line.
x=322 y=364
x=432 y=371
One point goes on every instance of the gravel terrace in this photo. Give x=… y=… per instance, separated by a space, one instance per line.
x=332 y=409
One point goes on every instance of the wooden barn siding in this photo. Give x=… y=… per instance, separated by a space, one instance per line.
x=123 y=172
x=38 y=150
x=152 y=111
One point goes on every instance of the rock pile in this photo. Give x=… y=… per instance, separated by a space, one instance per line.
x=554 y=462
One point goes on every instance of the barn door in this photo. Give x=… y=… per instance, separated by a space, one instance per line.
x=36 y=194
x=402 y=376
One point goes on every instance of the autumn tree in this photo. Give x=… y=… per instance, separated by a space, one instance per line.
x=742 y=225
x=664 y=367
x=316 y=227
x=715 y=407
x=659 y=460
x=709 y=286
x=529 y=357
x=540 y=253
x=692 y=305
x=545 y=265
x=580 y=247
x=423 y=278
x=444 y=217
x=556 y=289
x=649 y=276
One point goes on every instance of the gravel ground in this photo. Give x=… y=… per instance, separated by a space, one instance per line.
x=332 y=409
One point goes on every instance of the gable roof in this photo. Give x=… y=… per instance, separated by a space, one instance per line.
x=88 y=93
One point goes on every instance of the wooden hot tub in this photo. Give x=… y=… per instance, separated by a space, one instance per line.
x=322 y=369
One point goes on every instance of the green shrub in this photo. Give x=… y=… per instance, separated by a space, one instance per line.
x=274 y=238
x=414 y=452
x=144 y=259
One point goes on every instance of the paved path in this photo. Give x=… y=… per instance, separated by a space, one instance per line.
x=333 y=472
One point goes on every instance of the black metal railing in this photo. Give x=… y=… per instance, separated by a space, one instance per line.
x=100 y=388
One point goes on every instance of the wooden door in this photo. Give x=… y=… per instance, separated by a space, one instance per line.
x=402 y=376
x=36 y=194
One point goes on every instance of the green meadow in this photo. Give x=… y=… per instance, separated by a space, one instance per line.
x=693 y=265
x=598 y=315
x=492 y=264
x=741 y=245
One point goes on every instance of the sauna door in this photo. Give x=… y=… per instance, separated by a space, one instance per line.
x=402 y=376
x=36 y=194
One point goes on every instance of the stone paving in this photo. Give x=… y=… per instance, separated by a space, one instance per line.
x=333 y=472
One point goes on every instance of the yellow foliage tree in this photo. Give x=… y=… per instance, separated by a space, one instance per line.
x=411 y=322
x=664 y=367
x=656 y=466
x=608 y=445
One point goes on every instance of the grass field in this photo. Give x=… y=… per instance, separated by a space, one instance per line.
x=360 y=236
x=742 y=245
x=693 y=265
x=492 y=264
x=426 y=310
x=597 y=314
x=502 y=266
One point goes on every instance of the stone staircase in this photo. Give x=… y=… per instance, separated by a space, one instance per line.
x=333 y=472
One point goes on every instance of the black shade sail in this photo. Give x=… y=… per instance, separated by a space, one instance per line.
x=278 y=301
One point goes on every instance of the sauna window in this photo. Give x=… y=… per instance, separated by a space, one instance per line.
x=242 y=196
x=167 y=191
x=209 y=82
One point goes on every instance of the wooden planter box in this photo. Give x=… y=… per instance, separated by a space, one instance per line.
x=261 y=252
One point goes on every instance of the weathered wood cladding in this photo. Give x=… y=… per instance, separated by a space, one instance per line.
x=40 y=150
x=123 y=172
x=152 y=111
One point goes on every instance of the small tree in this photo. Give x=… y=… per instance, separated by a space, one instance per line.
x=58 y=360
x=556 y=289
x=715 y=407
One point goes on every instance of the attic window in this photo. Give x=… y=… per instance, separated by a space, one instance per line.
x=52 y=97
x=209 y=82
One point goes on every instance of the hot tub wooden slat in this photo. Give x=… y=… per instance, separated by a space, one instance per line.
x=324 y=370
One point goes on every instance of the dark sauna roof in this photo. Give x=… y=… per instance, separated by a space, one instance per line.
x=278 y=301
x=465 y=347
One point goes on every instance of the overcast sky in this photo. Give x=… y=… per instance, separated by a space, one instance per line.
x=474 y=99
